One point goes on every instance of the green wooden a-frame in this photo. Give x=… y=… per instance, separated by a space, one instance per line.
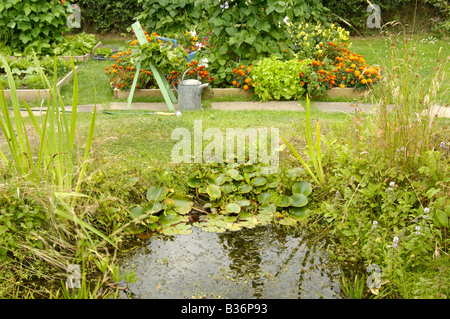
x=163 y=85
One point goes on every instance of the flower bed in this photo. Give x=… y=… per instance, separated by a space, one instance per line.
x=315 y=68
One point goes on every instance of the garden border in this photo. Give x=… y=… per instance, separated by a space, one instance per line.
x=236 y=92
x=34 y=94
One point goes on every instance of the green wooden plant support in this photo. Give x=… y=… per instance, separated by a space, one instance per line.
x=163 y=85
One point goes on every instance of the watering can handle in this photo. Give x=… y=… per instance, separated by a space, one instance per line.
x=182 y=79
x=198 y=75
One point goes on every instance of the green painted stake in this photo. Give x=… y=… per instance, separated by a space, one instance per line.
x=163 y=85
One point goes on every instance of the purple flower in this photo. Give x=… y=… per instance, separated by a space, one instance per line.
x=442 y=144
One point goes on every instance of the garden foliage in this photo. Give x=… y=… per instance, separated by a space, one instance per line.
x=32 y=24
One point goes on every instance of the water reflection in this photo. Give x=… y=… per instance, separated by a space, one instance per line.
x=264 y=262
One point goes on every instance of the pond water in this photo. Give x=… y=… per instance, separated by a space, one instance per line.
x=264 y=262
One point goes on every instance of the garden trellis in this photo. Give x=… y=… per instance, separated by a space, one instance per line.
x=163 y=85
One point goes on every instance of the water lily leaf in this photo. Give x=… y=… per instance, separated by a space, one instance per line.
x=168 y=202
x=245 y=188
x=243 y=203
x=182 y=204
x=263 y=198
x=287 y=221
x=259 y=181
x=220 y=179
x=251 y=222
x=156 y=193
x=267 y=209
x=171 y=231
x=286 y=201
x=229 y=219
x=233 y=227
x=274 y=184
x=234 y=174
x=248 y=168
x=194 y=182
x=170 y=218
x=302 y=188
x=298 y=213
x=244 y=215
x=155 y=207
x=264 y=219
x=213 y=191
x=233 y=208
x=299 y=200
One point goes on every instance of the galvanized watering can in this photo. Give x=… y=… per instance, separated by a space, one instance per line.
x=189 y=93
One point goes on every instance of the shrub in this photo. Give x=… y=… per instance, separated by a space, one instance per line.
x=308 y=39
x=106 y=15
x=32 y=24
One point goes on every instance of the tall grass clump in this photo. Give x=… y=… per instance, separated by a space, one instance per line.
x=45 y=221
x=55 y=158
x=406 y=122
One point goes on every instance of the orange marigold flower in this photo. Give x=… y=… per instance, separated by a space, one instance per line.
x=107 y=68
x=246 y=87
x=363 y=81
x=234 y=82
x=247 y=80
x=357 y=73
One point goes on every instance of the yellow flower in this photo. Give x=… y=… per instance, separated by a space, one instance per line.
x=357 y=73
x=342 y=85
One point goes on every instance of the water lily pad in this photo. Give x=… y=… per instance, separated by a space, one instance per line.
x=229 y=219
x=234 y=174
x=194 y=182
x=298 y=213
x=233 y=227
x=264 y=219
x=155 y=207
x=170 y=218
x=302 y=188
x=245 y=215
x=259 y=181
x=299 y=200
x=248 y=168
x=220 y=179
x=274 y=184
x=156 y=193
x=213 y=191
x=250 y=222
x=233 y=208
x=244 y=188
x=182 y=204
x=243 y=203
x=287 y=221
x=267 y=209
x=264 y=198
x=286 y=201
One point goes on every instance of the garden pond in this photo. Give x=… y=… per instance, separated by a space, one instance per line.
x=270 y=261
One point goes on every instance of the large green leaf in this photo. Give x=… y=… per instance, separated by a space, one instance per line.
x=286 y=201
x=213 y=191
x=299 y=200
x=157 y=193
x=302 y=188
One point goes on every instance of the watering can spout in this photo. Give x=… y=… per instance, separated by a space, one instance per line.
x=199 y=88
